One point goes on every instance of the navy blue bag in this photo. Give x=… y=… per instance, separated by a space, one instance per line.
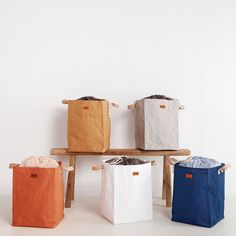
x=198 y=196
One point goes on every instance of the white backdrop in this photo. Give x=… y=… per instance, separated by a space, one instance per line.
x=120 y=50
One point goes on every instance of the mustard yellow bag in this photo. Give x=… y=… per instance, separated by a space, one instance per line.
x=88 y=125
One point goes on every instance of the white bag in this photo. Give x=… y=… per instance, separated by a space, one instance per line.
x=126 y=193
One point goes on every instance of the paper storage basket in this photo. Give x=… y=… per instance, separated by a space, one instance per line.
x=198 y=196
x=126 y=193
x=156 y=123
x=38 y=196
x=88 y=127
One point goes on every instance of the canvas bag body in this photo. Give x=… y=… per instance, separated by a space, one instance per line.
x=38 y=197
x=127 y=193
x=198 y=196
x=157 y=124
x=88 y=126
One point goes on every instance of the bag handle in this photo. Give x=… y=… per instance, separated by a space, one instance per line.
x=113 y=104
x=97 y=167
x=133 y=106
x=65 y=101
x=12 y=165
x=223 y=168
x=116 y=105
x=100 y=166
x=153 y=163
x=69 y=168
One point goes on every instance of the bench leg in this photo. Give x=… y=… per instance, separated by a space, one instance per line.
x=70 y=182
x=73 y=185
x=168 y=181
x=164 y=180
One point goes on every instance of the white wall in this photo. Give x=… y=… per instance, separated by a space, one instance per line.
x=120 y=50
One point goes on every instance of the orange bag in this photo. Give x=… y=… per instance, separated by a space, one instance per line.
x=38 y=196
x=88 y=126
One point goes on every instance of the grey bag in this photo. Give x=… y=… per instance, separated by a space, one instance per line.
x=156 y=123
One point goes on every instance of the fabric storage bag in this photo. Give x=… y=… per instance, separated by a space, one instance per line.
x=198 y=196
x=126 y=193
x=88 y=128
x=38 y=196
x=156 y=123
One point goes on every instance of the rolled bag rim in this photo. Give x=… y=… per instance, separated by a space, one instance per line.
x=177 y=165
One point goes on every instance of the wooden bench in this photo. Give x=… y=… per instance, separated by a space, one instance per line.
x=166 y=186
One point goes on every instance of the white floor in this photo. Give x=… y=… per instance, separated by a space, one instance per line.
x=84 y=219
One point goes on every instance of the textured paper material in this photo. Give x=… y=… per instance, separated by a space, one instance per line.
x=38 y=197
x=156 y=124
x=88 y=126
x=126 y=197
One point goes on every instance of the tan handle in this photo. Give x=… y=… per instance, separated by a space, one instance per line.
x=65 y=101
x=114 y=104
x=12 y=165
x=97 y=167
x=153 y=163
x=173 y=161
x=224 y=168
x=68 y=168
x=131 y=106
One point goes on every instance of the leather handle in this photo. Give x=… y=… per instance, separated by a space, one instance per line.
x=131 y=106
x=97 y=167
x=116 y=105
x=12 y=165
x=153 y=163
x=224 y=168
x=65 y=101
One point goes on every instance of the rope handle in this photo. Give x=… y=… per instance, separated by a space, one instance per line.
x=101 y=167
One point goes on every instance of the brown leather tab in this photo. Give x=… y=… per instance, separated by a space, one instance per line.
x=188 y=176
x=33 y=175
x=135 y=173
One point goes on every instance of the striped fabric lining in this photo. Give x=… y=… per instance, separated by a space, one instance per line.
x=200 y=162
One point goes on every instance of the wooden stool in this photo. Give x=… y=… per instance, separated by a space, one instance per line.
x=166 y=186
